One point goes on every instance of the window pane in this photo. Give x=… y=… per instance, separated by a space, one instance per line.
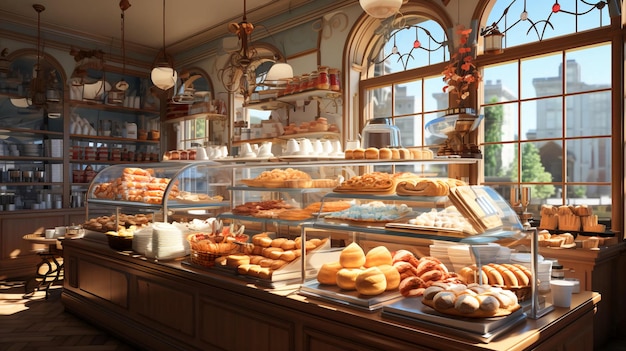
x=411 y=130
x=379 y=102
x=589 y=160
x=430 y=138
x=550 y=165
x=501 y=123
x=542 y=119
x=500 y=82
x=588 y=69
x=434 y=98
x=588 y=114
x=499 y=160
x=541 y=76
x=408 y=98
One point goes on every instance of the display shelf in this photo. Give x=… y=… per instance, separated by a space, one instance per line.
x=112 y=140
x=206 y=115
x=108 y=107
x=31 y=158
x=292 y=99
x=278 y=221
x=26 y=131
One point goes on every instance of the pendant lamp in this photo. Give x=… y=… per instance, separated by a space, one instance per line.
x=163 y=74
x=381 y=8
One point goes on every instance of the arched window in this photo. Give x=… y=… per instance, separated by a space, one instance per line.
x=547 y=100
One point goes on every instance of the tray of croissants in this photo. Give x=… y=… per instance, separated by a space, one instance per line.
x=378 y=276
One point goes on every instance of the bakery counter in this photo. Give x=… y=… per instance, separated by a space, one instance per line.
x=172 y=305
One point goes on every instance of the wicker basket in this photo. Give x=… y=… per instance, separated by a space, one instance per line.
x=206 y=257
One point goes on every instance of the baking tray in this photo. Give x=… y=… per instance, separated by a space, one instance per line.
x=412 y=311
x=334 y=294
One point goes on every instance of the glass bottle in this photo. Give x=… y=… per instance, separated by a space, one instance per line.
x=322 y=78
x=334 y=79
x=304 y=82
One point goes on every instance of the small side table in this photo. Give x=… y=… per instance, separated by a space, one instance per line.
x=50 y=269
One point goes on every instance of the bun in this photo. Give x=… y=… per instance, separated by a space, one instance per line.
x=371 y=282
x=477 y=301
x=237 y=260
x=348 y=154
x=405 y=154
x=346 y=278
x=352 y=256
x=371 y=153
x=392 y=276
x=384 y=153
x=378 y=256
x=358 y=154
x=467 y=304
x=328 y=273
x=395 y=154
x=495 y=278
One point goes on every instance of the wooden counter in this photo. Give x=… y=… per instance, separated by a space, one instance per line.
x=167 y=306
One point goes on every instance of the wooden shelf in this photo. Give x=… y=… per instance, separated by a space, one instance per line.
x=111 y=108
x=111 y=139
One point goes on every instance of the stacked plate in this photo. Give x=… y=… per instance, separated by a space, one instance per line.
x=439 y=250
x=167 y=241
x=33 y=150
x=460 y=256
x=142 y=241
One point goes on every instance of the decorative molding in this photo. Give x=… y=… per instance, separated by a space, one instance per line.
x=337 y=21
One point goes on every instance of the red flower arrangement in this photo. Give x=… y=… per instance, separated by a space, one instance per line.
x=461 y=72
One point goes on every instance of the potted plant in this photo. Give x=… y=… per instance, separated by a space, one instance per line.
x=461 y=75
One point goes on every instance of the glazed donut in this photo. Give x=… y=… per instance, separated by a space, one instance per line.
x=412 y=286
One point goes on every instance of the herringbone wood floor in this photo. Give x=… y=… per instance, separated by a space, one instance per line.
x=38 y=324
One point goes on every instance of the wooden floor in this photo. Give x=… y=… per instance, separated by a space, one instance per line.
x=38 y=324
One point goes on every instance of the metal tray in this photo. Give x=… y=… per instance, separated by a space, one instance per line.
x=412 y=311
x=337 y=295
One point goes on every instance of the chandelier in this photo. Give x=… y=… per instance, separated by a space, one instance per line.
x=238 y=74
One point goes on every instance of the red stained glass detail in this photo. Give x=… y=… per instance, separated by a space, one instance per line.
x=556 y=8
x=416 y=44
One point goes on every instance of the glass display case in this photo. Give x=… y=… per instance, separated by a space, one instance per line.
x=168 y=189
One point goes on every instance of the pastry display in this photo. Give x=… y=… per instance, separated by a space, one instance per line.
x=447 y=219
x=262 y=209
x=503 y=275
x=473 y=300
x=418 y=274
x=427 y=186
x=371 y=212
x=368 y=274
x=373 y=183
x=269 y=255
x=276 y=178
x=328 y=206
x=138 y=185
x=114 y=223
x=385 y=153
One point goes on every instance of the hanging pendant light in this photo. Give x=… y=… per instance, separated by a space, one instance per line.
x=381 y=8
x=37 y=93
x=163 y=74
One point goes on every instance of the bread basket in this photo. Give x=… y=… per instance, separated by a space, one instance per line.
x=206 y=248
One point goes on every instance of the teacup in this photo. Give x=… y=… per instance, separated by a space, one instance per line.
x=292 y=147
x=318 y=147
x=306 y=147
x=246 y=151
x=337 y=150
x=265 y=150
x=201 y=154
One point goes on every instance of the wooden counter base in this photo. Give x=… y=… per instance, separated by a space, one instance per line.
x=170 y=306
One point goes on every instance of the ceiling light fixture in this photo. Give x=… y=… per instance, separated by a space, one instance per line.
x=37 y=93
x=163 y=74
x=239 y=73
x=381 y=8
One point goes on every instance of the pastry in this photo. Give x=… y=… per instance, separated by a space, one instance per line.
x=237 y=260
x=466 y=303
x=348 y=154
x=391 y=275
x=327 y=273
x=378 y=256
x=358 y=154
x=371 y=153
x=384 y=153
x=346 y=278
x=352 y=256
x=371 y=282
x=405 y=154
x=412 y=286
x=477 y=301
x=395 y=154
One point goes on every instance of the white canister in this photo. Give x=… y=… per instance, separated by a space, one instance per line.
x=130 y=131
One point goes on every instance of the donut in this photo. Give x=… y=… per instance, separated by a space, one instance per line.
x=371 y=282
x=327 y=273
x=378 y=256
x=352 y=256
